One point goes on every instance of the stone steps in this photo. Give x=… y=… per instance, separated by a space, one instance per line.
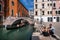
x=37 y=36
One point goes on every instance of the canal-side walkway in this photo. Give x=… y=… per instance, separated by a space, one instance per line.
x=37 y=35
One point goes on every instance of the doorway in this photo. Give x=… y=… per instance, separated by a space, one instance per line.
x=57 y=19
x=1 y=19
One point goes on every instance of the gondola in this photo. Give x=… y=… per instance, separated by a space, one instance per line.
x=17 y=25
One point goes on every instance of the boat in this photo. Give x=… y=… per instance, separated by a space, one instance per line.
x=18 y=25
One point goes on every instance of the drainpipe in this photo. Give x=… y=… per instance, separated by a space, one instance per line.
x=52 y=10
x=41 y=16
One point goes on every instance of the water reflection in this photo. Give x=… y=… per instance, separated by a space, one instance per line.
x=23 y=33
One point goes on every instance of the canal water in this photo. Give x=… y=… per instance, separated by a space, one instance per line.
x=24 y=33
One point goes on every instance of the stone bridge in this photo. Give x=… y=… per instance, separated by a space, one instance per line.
x=11 y=20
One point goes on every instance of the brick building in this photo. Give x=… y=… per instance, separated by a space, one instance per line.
x=23 y=10
x=15 y=8
x=1 y=10
x=12 y=8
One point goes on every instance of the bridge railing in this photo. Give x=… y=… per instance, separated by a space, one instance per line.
x=10 y=20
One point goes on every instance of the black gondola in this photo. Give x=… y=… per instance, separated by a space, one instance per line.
x=17 y=24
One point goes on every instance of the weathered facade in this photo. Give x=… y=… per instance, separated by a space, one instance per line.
x=15 y=8
x=47 y=10
x=1 y=11
x=12 y=8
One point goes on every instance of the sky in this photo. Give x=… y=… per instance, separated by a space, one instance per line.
x=28 y=4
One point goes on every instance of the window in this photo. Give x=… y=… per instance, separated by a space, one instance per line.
x=51 y=4
x=59 y=12
x=57 y=19
x=12 y=3
x=36 y=13
x=50 y=0
x=36 y=6
x=42 y=12
x=48 y=12
x=56 y=12
x=54 y=5
x=47 y=0
x=42 y=5
x=0 y=7
x=35 y=0
x=42 y=0
x=48 y=4
x=50 y=19
x=12 y=13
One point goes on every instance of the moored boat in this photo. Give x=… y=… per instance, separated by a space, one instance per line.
x=15 y=26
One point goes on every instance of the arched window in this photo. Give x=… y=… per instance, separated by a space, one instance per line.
x=12 y=12
x=0 y=7
x=54 y=4
x=12 y=3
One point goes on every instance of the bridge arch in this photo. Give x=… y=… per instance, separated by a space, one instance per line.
x=12 y=20
x=18 y=21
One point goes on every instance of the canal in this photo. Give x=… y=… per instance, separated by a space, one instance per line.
x=24 y=33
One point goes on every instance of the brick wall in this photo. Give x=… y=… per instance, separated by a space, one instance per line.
x=23 y=10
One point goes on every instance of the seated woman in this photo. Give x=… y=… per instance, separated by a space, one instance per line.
x=45 y=31
x=51 y=32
